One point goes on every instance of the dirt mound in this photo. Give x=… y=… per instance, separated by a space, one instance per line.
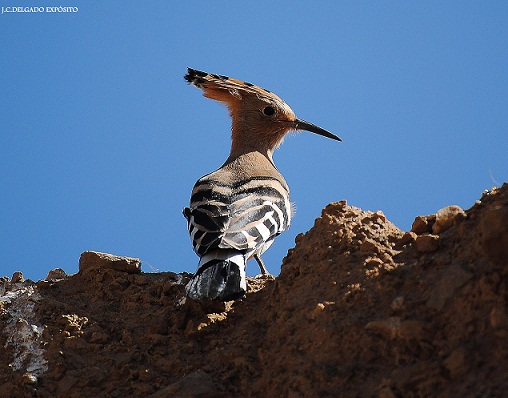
x=360 y=308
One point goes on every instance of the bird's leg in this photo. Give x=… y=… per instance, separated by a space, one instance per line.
x=261 y=264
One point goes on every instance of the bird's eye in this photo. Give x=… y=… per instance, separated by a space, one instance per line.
x=268 y=111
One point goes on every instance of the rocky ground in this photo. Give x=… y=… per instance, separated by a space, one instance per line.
x=360 y=308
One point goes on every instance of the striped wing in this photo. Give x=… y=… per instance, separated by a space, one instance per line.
x=242 y=216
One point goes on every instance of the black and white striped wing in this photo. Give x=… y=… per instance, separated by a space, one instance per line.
x=242 y=216
x=206 y=225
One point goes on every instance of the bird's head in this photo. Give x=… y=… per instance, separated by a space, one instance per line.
x=260 y=118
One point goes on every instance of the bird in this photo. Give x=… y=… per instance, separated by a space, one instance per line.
x=237 y=211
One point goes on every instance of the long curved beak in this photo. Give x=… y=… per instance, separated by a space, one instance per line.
x=300 y=124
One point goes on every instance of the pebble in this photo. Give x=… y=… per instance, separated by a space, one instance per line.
x=427 y=243
x=446 y=217
x=98 y=260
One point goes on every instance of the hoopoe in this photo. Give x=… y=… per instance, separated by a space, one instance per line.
x=236 y=212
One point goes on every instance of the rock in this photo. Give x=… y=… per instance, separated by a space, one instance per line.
x=368 y=246
x=388 y=328
x=196 y=384
x=18 y=277
x=56 y=274
x=427 y=243
x=449 y=282
x=423 y=224
x=445 y=218
x=415 y=377
x=398 y=303
x=386 y=392
x=96 y=260
x=29 y=378
x=373 y=262
x=420 y=225
x=393 y=327
x=408 y=237
x=456 y=363
x=494 y=229
x=382 y=320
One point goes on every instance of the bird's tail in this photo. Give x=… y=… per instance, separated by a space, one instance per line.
x=220 y=276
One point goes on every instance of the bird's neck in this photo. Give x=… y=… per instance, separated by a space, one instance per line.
x=251 y=140
x=256 y=161
x=244 y=148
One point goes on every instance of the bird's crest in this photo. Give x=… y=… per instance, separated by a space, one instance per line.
x=227 y=89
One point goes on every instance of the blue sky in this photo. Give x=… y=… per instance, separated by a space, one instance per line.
x=102 y=139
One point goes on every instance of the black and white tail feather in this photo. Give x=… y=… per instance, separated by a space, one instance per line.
x=220 y=276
